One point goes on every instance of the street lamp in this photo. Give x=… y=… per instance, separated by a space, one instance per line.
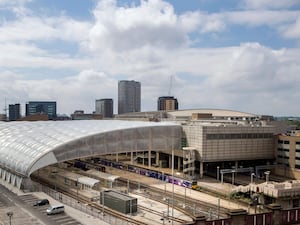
x=252 y=175
x=10 y=214
x=267 y=173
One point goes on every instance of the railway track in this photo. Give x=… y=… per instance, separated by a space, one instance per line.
x=175 y=219
x=205 y=206
x=191 y=204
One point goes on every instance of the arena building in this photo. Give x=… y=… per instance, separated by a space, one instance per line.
x=25 y=147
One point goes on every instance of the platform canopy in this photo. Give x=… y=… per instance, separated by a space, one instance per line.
x=28 y=146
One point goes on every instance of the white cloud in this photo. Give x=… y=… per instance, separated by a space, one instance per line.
x=153 y=23
x=29 y=28
x=292 y=31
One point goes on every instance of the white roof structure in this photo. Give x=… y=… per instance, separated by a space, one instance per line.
x=218 y=113
x=28 y=146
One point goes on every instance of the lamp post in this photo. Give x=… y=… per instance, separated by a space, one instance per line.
x=267 y=173
x=172 y=182
x=252 y=175
x=10 y=214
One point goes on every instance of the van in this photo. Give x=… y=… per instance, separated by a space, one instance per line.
x=55 y=209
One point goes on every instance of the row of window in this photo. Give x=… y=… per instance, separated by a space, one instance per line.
x=238 y=136
x=283 y=142
x=283 y=149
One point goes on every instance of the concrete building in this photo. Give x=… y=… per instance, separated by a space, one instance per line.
x=167 y=103
x=129 y=96
x=14 y=112
x=287 y=152
x=80 y=115
x=226 y=144
x=105 y=107
x=41 y=107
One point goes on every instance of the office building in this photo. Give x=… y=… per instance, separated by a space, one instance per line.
x=105 y=107
x=167 y=103
x=129 y=96
x=14 y=112
x=43 y=107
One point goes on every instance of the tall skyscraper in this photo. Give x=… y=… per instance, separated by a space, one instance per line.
x=129 y=96
x=45 y=107
x=167 y=103
x=14 y=112
x=105 y=107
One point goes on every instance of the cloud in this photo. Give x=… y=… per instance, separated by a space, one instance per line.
x=152 y=23
x=269 y=4
x=71 y=93
x=292 y=31
x=32 y=28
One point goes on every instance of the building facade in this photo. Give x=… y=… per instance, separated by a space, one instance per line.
x=129 y=96
x=288 y=156
x=229 y=144
x=43 y=107
x=167 y=103
x=105 y=107
x=14 y=112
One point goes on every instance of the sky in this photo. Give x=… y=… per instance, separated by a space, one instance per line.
x=240 y=55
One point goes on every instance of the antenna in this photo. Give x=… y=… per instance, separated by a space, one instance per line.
x=170 y=86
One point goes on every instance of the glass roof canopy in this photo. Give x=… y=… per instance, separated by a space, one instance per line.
x=27 y=146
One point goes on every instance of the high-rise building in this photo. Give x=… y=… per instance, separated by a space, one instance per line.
x=45 y=107
x=105 y=107
x=14 y=112
x=167 y=103
x=129 y=96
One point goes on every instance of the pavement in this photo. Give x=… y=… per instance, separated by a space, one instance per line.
x=27 y=215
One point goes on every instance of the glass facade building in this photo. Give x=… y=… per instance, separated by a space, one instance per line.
x=45 y=107
x=129 y=96
x=105 y=107
x=14 y=112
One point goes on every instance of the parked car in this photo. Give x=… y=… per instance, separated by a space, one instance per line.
x=55 y=209
x=41 y=202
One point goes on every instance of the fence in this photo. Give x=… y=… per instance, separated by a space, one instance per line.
x=85 y=208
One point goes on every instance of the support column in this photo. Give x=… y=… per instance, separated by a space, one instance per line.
x=178 y=163
x=170 y=161
x=150 y=148
x=236 y=164
x=157 y=158
x=117 y=157
x=149 y=158
x=201 y=169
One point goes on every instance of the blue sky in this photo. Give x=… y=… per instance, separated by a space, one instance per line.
x=241 y=55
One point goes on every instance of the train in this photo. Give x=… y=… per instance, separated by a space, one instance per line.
x=146 y=172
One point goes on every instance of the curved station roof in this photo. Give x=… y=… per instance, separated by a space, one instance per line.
x=28 y=146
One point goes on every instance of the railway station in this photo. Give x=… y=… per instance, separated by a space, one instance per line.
x=92 y=157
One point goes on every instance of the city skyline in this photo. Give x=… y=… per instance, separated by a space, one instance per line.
x=240 y=55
